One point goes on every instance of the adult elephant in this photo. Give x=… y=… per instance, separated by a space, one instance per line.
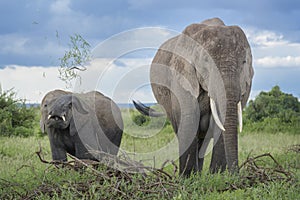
x=202 y=78
x=82 y=125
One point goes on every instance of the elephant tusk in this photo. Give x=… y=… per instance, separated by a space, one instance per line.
x=240 y=115
x=63 y=118
x=49 y=116
x=215 y=114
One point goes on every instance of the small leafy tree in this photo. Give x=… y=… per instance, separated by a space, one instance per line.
x=74 y=59
x=273 y=111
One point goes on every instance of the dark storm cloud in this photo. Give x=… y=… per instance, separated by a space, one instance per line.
x=268 y=14
x=95 y=20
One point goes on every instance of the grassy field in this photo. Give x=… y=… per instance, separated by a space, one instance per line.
x=23 y=175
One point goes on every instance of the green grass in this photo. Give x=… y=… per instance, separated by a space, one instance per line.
x=22 y=173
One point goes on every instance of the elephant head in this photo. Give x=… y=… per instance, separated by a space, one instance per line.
x=60 y=112
x=49 y=97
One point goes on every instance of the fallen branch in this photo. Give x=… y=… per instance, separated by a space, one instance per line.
x=56 y=163
x=117 y=171
x=252 y=173
x=88 y=166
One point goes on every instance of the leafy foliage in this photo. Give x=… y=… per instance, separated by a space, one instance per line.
x=140 y=120
x=273 y=111
x=15 y=118
x=74 y=59
x=152 y=122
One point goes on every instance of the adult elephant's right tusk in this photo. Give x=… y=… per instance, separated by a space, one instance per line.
x=49 y=116
x=215 y=114
x=240 y=115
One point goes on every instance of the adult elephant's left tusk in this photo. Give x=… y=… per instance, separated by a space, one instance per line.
x=215 y=114
x=240 y=115
x=49 y=116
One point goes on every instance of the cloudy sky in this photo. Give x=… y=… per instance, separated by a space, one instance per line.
x=124 y=35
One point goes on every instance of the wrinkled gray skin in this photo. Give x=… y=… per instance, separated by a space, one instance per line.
x=81 y=124
x=208 y=60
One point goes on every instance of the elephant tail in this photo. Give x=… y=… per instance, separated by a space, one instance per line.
x=145 y=110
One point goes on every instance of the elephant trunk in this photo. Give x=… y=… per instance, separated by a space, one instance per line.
x=230 y=136
x=232 y=120
x=226 y=112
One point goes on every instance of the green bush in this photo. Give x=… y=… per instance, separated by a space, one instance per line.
x=273 y=112
x=15 y=118
x=149 y=122
x=141 y=120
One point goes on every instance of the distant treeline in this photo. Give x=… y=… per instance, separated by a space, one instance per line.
x=270 y=112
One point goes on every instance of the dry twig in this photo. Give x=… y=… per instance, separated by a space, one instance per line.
x=117 y=171
x=254 y=172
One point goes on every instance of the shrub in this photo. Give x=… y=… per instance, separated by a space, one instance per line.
x=141 y=120
x=15 y=118
x=149 y=122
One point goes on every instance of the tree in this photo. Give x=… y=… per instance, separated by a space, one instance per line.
x=273 y=108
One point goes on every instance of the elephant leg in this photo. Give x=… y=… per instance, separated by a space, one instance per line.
x=189 y=157
x=203 y=144
x=58 y=154
x=188 y=136
x=81 y=152
x=183 y=111
x=204 y=137
x=57 y=148
x=196 y=150
x=199 y=157
x=218 y=161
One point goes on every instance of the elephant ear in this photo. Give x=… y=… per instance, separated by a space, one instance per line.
x=190 y=63
x=78 y=105
x=87 y=125
x=198 y=41
x=246 y=76
x=77 y=122
x=176 y=55
x=79 y=114
x=42 y=126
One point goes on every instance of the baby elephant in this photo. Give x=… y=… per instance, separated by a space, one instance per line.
x=81 y=124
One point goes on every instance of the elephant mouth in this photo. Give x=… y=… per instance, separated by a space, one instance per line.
x=56 y=117
x=56 y=121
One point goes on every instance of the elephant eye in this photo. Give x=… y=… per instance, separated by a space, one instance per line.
x=70 y=105
x=45 y=106
x=244 y=62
